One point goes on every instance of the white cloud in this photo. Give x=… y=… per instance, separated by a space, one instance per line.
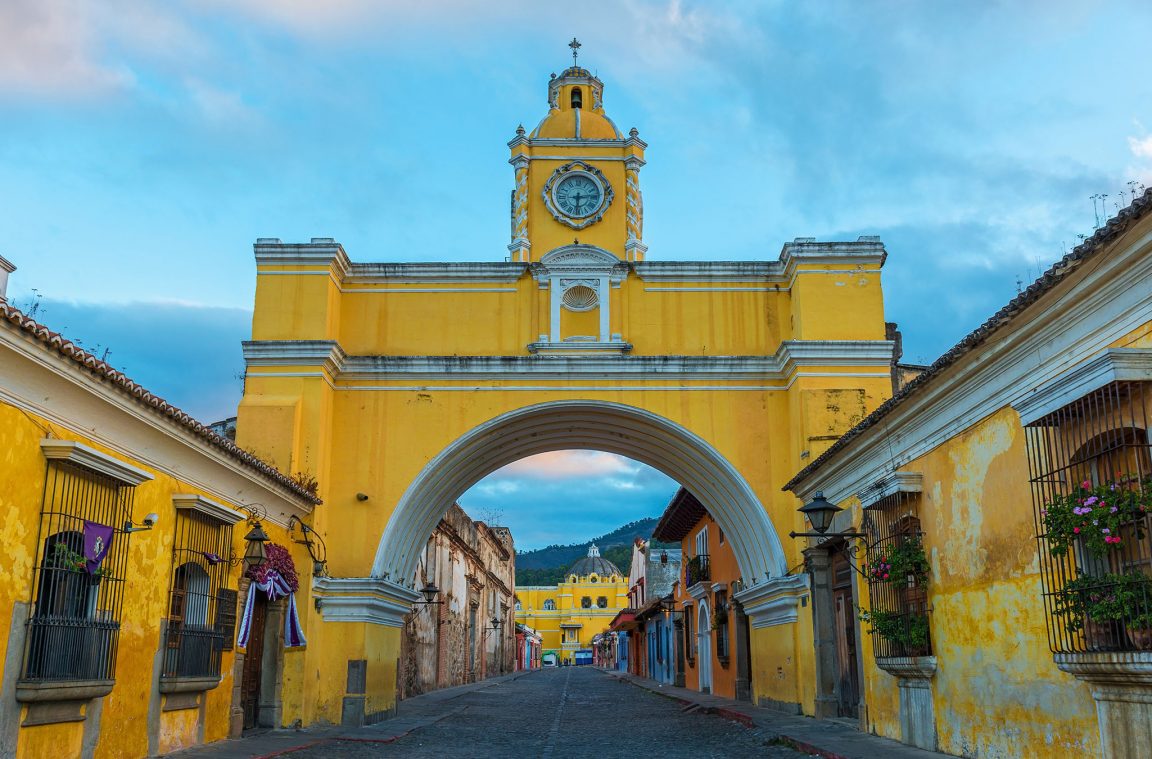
x=53 y=46
x=567 y=465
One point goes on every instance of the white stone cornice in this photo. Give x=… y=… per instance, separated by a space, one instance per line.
x=363 y=599
x=579 y=347
x=707 y=271
x=325 y=353
x=1113 y=365
x=321 y=251
x=585 y=142
x=790 y=357
x=92 y=459
x=804 y=250
x=464 y=271
x=207 y=507
x=889 y=485
x=775 y=601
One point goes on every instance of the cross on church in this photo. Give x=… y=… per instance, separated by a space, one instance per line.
x=575 y=45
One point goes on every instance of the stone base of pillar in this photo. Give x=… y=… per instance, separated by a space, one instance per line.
x=1122 y=687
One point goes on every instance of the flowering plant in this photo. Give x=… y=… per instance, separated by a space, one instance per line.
x=278 y=560
x=1094 y=516
x=900 y=562
x=1106 y=598
x=65 y=558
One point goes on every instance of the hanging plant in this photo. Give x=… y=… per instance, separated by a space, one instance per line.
x=278 y=560
x=904 y=563
x=907 y=630
x=1094 y=516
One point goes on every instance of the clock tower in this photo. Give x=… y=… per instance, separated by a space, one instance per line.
x=577 y=176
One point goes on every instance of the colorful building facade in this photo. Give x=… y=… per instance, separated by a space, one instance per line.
x=125 y=583
x=1001 y=498
x=713 y=629
x=568 y=615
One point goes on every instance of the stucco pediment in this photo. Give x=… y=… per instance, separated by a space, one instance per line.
x=580 y=259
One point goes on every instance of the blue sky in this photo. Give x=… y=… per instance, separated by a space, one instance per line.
x=144 y=146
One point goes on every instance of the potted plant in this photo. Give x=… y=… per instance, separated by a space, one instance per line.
x=904 y=563
x=1095 y=517
x=1099 y=604
x=65 y=558
x=909 y=631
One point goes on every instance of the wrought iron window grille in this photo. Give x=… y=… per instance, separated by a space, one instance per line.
x=1090 y=470
x=899 y=614
x=74 y=623
x=201 y=606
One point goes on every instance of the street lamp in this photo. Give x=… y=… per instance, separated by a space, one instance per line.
x=429 y=591
x=820 y=513
x=254 y=551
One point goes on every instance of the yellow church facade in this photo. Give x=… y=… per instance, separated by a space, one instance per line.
x=397 y=386
x=569 y=614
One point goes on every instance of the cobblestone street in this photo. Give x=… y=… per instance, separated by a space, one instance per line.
x=566 y=713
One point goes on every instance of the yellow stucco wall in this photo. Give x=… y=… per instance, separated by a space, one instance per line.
x=124 y=714
x=996 y=691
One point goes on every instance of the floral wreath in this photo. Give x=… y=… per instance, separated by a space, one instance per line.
x=278 y=560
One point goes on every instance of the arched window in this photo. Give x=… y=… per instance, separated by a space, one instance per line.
x=602 y=602
x=549 y=605
x=593 y=578
x=518 y=606
x=577 y=98
x=571 y=578
x=585 y=603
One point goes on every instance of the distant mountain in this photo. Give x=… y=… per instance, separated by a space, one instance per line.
x=545 y=566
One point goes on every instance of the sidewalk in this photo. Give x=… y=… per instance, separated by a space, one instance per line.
x=411 y=714
x=829 y=739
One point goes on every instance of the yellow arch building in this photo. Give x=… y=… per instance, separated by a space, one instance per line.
x=399 y=385
x=567 y=615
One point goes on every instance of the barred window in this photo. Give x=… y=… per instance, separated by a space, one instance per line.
x=78 y=581
x=201 y=608
x=549 y=604
x=720 y=624
x=1090 y=465
x=897 y=573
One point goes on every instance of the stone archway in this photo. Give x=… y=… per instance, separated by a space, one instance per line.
x=770 y=595
x=598 y=425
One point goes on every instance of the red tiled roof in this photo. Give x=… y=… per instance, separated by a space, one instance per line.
x=1082 y=253
x=682 y=514
x=54 y=341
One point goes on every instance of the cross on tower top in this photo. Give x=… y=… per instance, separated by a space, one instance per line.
x=575 y=45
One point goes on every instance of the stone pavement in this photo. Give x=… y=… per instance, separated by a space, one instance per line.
x=566 y=713
x=830 y=739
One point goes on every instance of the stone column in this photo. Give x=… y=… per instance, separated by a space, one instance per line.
x=520 y=246
x=236 y=712
x=742 y=654
x=824 y=632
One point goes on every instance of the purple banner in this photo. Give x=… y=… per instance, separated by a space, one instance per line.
x=97 y=541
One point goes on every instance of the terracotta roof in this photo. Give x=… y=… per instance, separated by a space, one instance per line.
x=1082 y=253
x=84 y=360
x=682 y=514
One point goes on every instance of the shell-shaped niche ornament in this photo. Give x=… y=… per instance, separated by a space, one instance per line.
x=580 y=298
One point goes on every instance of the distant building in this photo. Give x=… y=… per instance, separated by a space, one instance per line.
x=712 y=627
x=469 y=633
x=224 y=427
x=569 y=614
x=645 y=638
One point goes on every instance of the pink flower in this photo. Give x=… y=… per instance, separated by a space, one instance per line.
x=1086 y=485
x=1076 y=530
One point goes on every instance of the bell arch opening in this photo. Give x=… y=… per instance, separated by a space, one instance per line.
x=590 y=425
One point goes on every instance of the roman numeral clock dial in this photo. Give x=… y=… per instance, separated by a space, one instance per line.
x=577 y=194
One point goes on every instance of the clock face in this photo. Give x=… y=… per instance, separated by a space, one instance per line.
x=578 y=195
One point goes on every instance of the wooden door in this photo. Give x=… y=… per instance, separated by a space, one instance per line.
x=847 y=684
x=250 y=684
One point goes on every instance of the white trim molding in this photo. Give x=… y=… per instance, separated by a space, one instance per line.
x=207 y=507
x=774 y=602
x=373 y=600
x=888 y=486
x=1113 y=365
x=92 y=459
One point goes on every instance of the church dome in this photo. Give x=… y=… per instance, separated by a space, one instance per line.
x=593 y=563
x=576 y=110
